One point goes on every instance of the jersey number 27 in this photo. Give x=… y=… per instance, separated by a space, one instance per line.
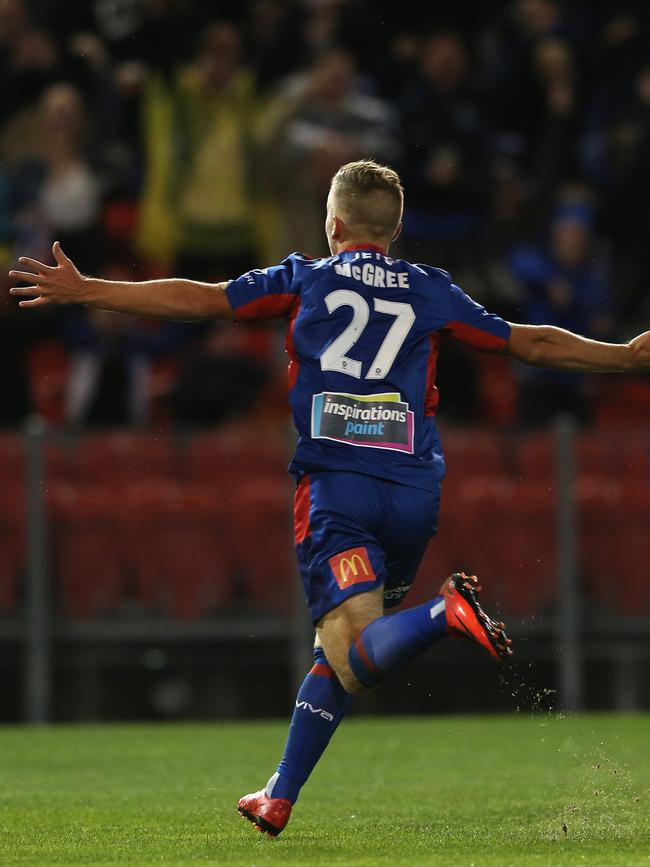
x=334 y=357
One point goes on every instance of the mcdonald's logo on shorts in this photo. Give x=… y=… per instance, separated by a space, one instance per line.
x=352 y=567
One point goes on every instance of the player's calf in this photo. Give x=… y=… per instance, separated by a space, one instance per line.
x=388 y=643
x=339 y=629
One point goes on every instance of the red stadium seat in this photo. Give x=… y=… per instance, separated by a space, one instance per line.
x=634 y=451
x=12 y=544
x=615 y=544
x=125 y=457
x=259 y=527
x=473 y=455
x=12 y=459
x=498 y=391
x=173 y=542
x=225 y=460
x=535 y=458
x=89 y=577
x=441 y=558
x=509 y=541
x=13 y=491
x=49 y=369
x=597 y=455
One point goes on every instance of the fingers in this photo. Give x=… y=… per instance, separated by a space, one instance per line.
x=26 y=290
x=41 y=301
x=35 y=264
x=26 y=276
x=59 y=255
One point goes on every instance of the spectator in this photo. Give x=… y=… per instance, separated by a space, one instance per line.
x=216 y=139
x=202 y=160
x=628 y=197
x=107 y=383
x=317 y=121
x=58 y=191
x=567 y=286
x=111 y=356
x=219 y=382
x=18 y=334
x=273 y=35
x=444 y=137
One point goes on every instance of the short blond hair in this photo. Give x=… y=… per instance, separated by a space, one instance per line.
x=369 y=197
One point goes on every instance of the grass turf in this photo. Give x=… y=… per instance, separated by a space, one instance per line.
x=420 y=791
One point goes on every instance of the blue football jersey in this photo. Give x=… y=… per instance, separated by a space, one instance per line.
x=363 y=337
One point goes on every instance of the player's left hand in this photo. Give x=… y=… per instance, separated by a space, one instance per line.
x=640 y=350
x=52 y=284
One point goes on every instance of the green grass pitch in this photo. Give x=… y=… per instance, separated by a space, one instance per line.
x=520 y=790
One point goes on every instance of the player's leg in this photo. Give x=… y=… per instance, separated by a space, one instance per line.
x=362 y=654
x=322 y=701
x=338 y=519
x=364 y=645
x=320 y=706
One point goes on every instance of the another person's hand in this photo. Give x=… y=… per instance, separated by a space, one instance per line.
x=51 y=284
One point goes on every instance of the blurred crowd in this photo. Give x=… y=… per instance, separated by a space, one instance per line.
x=198 y=139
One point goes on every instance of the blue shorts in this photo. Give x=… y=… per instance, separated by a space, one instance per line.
x=354 y=533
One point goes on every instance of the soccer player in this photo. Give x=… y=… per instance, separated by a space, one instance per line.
x=362 y=339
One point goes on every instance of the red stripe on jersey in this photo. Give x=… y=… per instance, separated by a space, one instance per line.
x=301 y=507
x=294 y=364
x=322 y=670
x=431 y=395
x=277 y=306
x=475 y=337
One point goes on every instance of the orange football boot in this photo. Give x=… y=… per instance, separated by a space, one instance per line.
x=466 y=617
x=269 y=815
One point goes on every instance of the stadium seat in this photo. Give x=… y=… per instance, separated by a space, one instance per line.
x=621 y=403
x=125 y=456
x=473 y=455
x=508 y=537
x=498 y=385
x=441 y=558
x=173 y=542
x=227 y=459
x=49 y=369
x=259 y=528
x=634 y=449
x=89 y=577
x=12 y=544
x=535 y=458
x=12 y=459
x=615 y=544
x=597 y=454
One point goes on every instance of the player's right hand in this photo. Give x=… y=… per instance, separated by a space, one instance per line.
x=51 y=284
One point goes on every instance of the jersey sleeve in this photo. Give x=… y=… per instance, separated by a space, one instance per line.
x=471 y=323
x=264 y=293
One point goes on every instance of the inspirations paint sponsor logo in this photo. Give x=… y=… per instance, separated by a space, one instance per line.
x=352 y=567
x=381 y=421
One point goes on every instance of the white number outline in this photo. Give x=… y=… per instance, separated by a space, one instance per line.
x=335 y=358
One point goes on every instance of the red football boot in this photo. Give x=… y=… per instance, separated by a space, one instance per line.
x=466 y=617
x=269 y=815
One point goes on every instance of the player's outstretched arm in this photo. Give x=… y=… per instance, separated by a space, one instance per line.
x=62 y=283
x=547 y=346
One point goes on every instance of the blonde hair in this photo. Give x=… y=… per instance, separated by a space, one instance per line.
x=369 y=197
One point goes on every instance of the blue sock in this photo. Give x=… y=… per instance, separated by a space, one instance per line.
x=321 y=704
x=389 y=642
